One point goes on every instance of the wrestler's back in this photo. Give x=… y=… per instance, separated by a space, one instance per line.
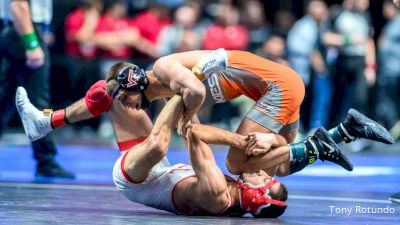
x=184 y=198
x=189 y=202
x=249 y=74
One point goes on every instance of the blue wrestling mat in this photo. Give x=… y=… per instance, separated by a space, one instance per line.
x=320 y=194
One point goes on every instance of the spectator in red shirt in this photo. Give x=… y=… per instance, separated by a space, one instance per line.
x=151 y=22
x=79 y=29
x=226 y=31
x=116 y=35
x=79 y=63
x=114 y=20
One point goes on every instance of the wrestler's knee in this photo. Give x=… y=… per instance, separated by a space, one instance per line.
x=232 y=168
x=235 y=163
x=283 y=170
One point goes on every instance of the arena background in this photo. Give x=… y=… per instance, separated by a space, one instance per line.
x=88 y=149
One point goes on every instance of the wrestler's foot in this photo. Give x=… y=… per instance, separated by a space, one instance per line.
x=357 y=125
x=36 y=124
x=216 y=61
x=52 y=169
x=329 y=150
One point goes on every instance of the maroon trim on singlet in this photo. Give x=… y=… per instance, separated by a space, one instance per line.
x=126 y=145
x=173 y=190
x=127 y=177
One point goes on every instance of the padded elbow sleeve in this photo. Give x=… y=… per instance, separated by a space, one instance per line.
x=97 y=100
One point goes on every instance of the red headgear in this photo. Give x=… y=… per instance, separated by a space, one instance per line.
x=255 y=198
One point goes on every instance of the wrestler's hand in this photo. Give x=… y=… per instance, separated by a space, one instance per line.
x=34 y=58
x=188 y=115
x=259 y=143
x=181 y=127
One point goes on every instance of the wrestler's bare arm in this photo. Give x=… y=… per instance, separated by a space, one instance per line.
x=189 y=59
x=212 y=188
x=258 y=160
x=181 y=81
x=175 y=70
x=78 y=111
x=218 y=136
x=256 y=140
x=122 y=119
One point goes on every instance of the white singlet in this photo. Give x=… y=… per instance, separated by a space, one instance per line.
x=158 y=189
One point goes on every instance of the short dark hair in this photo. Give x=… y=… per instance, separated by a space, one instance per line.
x=112 y=75
x=274 y=211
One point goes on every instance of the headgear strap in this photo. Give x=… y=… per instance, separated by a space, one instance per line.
x=255 y=198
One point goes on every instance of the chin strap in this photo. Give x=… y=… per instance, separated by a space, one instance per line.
x=255 y=198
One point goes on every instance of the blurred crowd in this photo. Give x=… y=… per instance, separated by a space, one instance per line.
x=344 y=60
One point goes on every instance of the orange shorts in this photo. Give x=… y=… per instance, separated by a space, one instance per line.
x=279 y=109
x=277 y=89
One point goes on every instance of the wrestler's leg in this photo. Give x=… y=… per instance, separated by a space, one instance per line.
x=237 y=161
x=289 y=136
x=78 y=111
x=238 y=142
x=283 y=169
x=270 y=162
x=141 y=158
x=356 y=125
x=319 y=146
x=38 y=124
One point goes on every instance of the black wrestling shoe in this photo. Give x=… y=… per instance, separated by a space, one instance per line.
x=357 y=125
x=395 y=197
x=52 y=169
x=329 y=150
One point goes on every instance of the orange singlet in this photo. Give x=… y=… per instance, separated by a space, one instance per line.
x=277 y=89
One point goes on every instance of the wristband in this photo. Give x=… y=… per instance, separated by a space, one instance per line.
x=59 y=119
x=30 y=41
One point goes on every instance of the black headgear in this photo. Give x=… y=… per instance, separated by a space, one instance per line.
x=133 y=78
